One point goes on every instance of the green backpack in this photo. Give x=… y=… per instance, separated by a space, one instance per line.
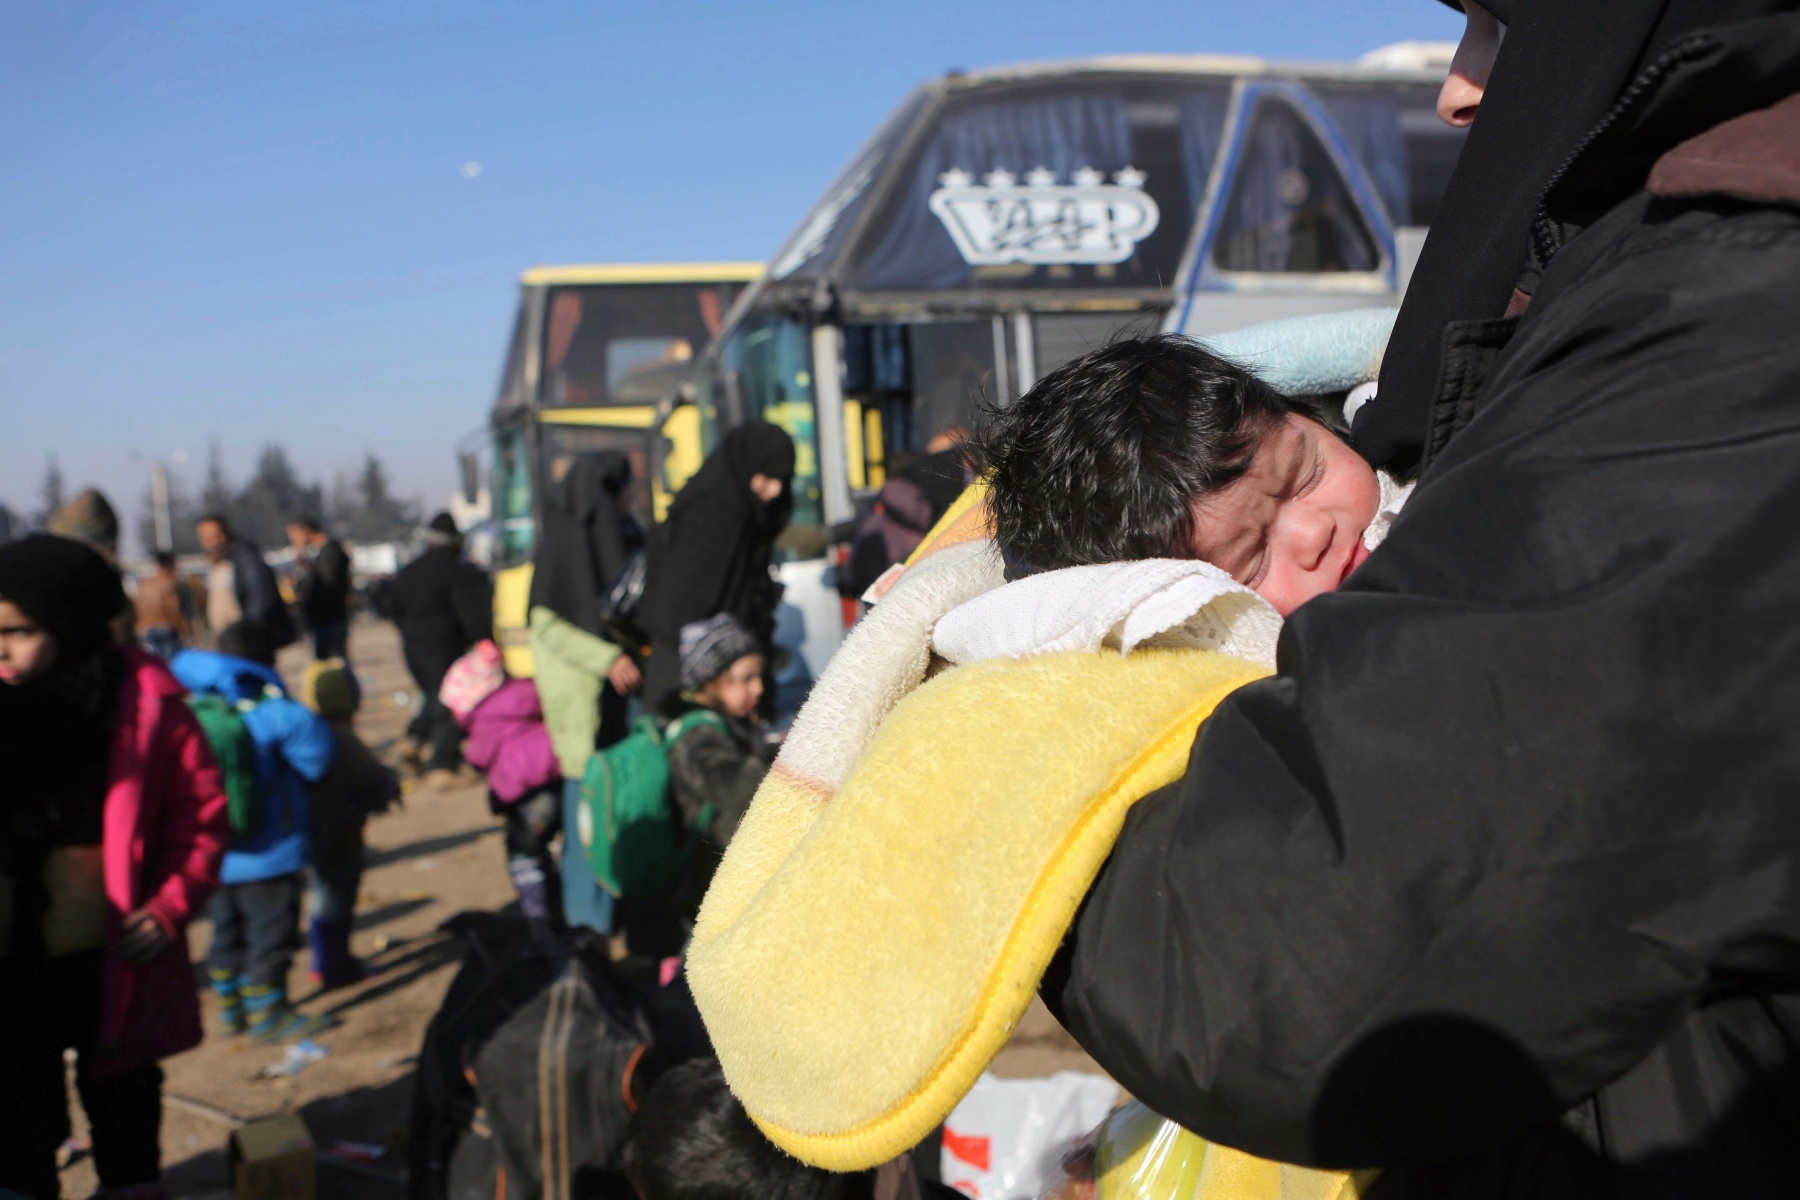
x=625 y=820
x=223 y=725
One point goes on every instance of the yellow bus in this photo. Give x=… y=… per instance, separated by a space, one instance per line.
x=599 y=353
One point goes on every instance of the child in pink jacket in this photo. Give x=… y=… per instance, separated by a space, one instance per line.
x=112 y=823
x=507 y=739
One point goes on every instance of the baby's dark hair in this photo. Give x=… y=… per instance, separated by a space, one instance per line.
x=1102 y=460
x=692 y=1140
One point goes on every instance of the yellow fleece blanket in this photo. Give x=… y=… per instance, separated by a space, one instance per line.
x=883 y=915
x=859 y=962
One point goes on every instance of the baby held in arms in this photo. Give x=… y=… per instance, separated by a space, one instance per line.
x=1153 y=448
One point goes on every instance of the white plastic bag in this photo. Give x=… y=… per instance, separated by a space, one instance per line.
x=1008 y=1135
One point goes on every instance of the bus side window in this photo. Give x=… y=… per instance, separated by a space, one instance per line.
x=1290 y=211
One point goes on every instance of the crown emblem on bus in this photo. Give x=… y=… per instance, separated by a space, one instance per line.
x=1037 y=220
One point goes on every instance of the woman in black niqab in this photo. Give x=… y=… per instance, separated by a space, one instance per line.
x=713 y=553
x=1563 y=65
x=585 y=540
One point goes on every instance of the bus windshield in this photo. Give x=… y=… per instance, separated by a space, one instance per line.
x=613 y=344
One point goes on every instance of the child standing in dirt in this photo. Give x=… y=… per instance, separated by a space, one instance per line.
x=256 y=913
x=355 y=788
x=507 y=738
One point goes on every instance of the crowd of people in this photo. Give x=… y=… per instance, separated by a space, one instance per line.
x=152 y=781
x=164 y=768
x=1488 y=885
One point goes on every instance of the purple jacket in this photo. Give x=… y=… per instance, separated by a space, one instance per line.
x=507 y=739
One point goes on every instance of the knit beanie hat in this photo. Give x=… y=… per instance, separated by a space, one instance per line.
x=65 y=586
x=472 y=678
x=442 y=531
x=248 y=639
x=709 y=647
x=330 y=688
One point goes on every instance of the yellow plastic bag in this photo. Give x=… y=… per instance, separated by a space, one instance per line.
x=1136 y=1155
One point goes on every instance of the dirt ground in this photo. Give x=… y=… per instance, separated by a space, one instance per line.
x=437 y=856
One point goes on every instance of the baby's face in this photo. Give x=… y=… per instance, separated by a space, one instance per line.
x=1291 y=526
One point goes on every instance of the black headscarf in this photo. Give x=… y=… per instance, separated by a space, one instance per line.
x=714 y=551
x=758 y=448
x=1561 y=68
x=55 y=731
x=583 y=545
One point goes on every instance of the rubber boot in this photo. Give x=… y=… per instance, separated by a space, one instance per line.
x=531 y=879
x=231 y=1005
x=333 y=964
x=273 y=1019
x=315 y=946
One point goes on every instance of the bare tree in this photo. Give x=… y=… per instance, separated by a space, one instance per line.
x=369 y=511
x=274 y=495
x=216 y=495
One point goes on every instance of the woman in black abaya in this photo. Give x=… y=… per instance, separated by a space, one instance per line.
x=1561 y=65
x=1493 y=885
x=583 y=675
x=713 y=553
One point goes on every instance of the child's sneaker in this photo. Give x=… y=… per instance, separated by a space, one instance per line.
x=273 y=1019
x=225 y=985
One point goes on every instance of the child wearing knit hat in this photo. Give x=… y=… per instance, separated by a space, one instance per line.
x=720 y=758
x=504 y=723
x=356 y=787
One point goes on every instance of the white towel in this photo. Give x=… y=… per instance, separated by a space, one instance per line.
x=1394 y=496
x=1121 y=606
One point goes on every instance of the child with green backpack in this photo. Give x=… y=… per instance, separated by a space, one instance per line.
x=655 y=810
x=270 y=749
x=720 y=757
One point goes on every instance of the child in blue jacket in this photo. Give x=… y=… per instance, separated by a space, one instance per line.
x=256 y=911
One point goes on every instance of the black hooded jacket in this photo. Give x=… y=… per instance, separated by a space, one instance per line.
x=442 y=605
x=584 y=543
x=1561 y=67
x=713 y=553
x=1496 y=885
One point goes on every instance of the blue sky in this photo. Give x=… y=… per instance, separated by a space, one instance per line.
x=250 y=223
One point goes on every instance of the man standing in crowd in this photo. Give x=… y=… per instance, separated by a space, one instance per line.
x=1496 y=884
x=324 y=590
x=443 y=606
x=161 y=622
x=239 y=584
